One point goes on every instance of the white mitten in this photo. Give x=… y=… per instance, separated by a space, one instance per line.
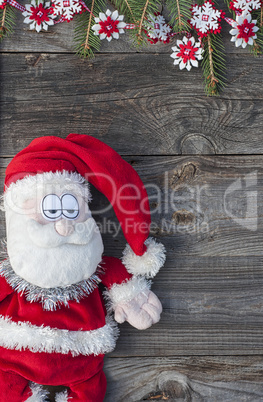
x=141 y=312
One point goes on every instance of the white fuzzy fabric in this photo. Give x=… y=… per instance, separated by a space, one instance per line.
x=51 y=298
x=149 y=263
x=62 y=396
x=43 y=258
x=32 y=186
x=126 y=291
x=39 y=394
x=24 y=335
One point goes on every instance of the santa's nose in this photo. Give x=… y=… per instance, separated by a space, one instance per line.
x=64 y=227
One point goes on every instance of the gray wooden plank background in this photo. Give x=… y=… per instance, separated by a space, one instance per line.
x=201 y=160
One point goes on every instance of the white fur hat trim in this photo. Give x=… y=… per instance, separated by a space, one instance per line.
x=149 y=263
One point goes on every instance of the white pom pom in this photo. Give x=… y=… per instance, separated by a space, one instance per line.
x=149 y=263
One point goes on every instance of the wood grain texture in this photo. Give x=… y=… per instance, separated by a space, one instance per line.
x=201 y=379
x=207 y=210
x=137 y=103
x=211 y=285
x=60 y=39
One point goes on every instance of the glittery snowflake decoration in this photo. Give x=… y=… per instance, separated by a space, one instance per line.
x=157 y=29
x=206 y=18
x=2 y=4
x=245 y=5
x=109 y=25
x=187 y=53
x=244 y=30
x=39 y=15
x=66 y=8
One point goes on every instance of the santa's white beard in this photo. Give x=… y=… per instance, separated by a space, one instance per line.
x=42 y=257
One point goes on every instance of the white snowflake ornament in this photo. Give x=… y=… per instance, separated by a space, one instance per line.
x=187 y=53
x=244 y=30
x=66 y=8
x=38 y=15
x=245 y=5
x=157 y=29
x=206 y=18
x=109 y=25
x=2 y=4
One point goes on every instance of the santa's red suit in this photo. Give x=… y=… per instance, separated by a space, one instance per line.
x=61 y=347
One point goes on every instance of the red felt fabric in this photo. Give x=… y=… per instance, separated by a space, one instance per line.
x=50 y=368
x=116 y=273
x=88 y=314
x=92 y=390
x=101 y=166
x=13 y=387
x=82 y=374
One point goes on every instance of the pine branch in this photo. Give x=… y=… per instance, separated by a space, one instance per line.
x=86 y=46
x=130 y=10
x=257 y=47
x=213 y=64
x=228 y=4
x=124 y=8
x=139 y=34
x=84 y=38
x=3 y=20
x=179 y=12
x=7 y=21
x=140 y=10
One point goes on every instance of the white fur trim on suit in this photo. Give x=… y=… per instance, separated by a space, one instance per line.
x=39 y=394
x=149 y=263
x=126 y=291
x=62 y=396
x=24 y=335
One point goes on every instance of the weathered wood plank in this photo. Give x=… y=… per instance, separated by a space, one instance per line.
x=60 y=39
x=185 y=379
x=129 y=96
x=211 y=285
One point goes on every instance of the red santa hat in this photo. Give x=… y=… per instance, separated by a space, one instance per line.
x=103 y=167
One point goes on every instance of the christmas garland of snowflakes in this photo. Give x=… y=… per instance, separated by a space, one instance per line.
x=205 y=21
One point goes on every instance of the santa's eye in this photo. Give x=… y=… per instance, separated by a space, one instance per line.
x=51 y=207
x=70 y=206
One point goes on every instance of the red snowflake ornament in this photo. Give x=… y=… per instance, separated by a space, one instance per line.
x=245 y=5
x=3 y=3
x=244 y=30
x=67 y=8
x=109 y=25
x=38 y=15
x=206 y=18
x=157 y=29
x=187 y=53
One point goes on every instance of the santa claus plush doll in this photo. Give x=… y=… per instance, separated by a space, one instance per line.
x=54 y=326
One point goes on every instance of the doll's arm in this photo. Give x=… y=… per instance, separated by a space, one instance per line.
x=5 y=288
x=129 y=296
